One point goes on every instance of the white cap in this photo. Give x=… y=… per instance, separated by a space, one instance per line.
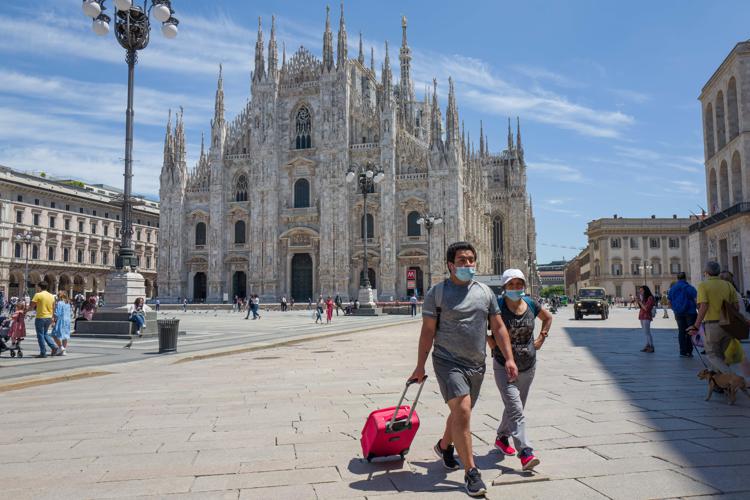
x=510 y=274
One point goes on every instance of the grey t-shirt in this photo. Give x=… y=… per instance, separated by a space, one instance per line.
x=461 y=337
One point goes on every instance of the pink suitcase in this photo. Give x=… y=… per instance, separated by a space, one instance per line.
x=390 y=431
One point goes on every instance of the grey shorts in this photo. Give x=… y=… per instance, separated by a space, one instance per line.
x=456 y=380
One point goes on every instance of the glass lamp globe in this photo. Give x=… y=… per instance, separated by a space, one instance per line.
x=349 y=176
x=169 y=30
x=369 y=174
x=162 y=13
x=420 y=221
x=123 y=4
x=379 y=177
x=91 y=8
x=100 y=27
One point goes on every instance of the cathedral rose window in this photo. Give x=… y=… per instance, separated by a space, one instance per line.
x=303 y=129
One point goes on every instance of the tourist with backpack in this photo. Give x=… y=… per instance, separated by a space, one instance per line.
x=682 y=296
x=519 y=313
x=454 y=318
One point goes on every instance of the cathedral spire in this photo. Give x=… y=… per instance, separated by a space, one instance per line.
x=341 y=49
x=361 y=56
x=168 y=143
x=386 y=74
x=510 y=137
x=372 y=60
x=260 y=65
x=203 y=147
x=406 y=90
x=273 y=53
x=217 y=124
x=328 y=43
x=519 y=147
x=463 y=140
x=436 y=127
x=451 y=117
x=179 y=140
x=481 y=138
x=283 y=56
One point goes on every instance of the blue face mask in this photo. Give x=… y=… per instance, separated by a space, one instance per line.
x=465 y=273
x=515 y=295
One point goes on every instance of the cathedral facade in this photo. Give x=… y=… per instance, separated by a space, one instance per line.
x=267 y=208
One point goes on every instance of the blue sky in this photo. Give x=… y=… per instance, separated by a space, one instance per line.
x=606 y=91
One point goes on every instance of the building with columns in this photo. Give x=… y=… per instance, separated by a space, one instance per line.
x=625 y=253
x=267 y=209
x=77 y=229
x=725 y=231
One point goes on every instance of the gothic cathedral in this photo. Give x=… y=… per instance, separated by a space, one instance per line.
x=267 y=208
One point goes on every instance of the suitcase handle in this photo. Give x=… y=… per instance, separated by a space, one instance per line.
x=401 y=400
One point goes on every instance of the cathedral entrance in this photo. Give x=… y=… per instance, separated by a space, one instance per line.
x=239 y=284
x=302 y=277
x=199 y=287
x=419 y=282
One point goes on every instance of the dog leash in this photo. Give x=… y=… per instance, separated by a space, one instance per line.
x=699 y=356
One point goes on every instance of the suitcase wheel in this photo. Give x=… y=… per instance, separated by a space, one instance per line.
x=20 y=354
x=370 y=457
x=12 y=354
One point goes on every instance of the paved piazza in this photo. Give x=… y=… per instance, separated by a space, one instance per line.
x=284 y=422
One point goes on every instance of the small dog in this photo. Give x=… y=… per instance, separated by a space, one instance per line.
x=729 y=382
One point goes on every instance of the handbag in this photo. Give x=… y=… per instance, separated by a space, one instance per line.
x=733 y=322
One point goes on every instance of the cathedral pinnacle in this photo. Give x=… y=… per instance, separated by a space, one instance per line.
x=510 y=137
x=372 y=60
x=386 y=74
x=328 y=43
x=260 y=65
x=283 y=55
x=273 y=53
x=168 y=144
x=406 y=90
x=481 y=139
x=436 y=128
x=341 y=49
x=519 y=147
x=361 y=56
x=451 y=116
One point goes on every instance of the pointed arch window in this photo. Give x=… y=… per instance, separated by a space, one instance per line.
x=240 y=192
x=303 y=129
x=369 y=229
x=301 y=193
x=239 y=232
x=200 y=234
x=412 y=226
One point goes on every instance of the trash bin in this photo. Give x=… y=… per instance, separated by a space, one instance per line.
x=168 y=335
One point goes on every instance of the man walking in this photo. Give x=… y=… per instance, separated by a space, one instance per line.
x=454 y=318
x=338 y=301
x=682 y=296
x=712 y=293
x=413 y=302
x=44 y=303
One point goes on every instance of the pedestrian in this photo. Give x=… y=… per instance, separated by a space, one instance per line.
x=329 y=309
x=184 y=305
x=319 y=306
x=256 y=306
x=646 y=303
x=745 y=363
x=518 y=313
x=454 y=319
x=309 y=303
x=137 y=315
x=413 y=302
x=682 y=296
x=79 y=299
x=291 y=303
x=61 y=323
x=338 y=301
x=158 y=303
x=631 y=302
x=17 y=330
x=283 y=303
x=249 y=307
x=2 y=302
x=44 y=304
x=712 y=293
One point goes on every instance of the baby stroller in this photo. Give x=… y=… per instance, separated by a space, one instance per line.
x=15 y=345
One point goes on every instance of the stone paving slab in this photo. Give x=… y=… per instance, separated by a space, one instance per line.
x=606 y=421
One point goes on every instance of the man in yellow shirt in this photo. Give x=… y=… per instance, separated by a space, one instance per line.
x=44 y=303
x=712 y=293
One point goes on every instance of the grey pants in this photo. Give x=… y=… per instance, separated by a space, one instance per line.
x=716 y=341
x=514 y=394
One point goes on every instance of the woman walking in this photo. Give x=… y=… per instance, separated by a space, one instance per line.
x=646 y=304
x=319 y=310
x=519 y=313
x=61 y=323
x=329 y=309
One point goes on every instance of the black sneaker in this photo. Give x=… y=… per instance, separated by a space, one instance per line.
x=449 y=459
x=473 y=483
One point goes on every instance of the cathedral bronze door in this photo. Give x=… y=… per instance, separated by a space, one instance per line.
x=199 y=287
x=239 y=284
x=302 y=277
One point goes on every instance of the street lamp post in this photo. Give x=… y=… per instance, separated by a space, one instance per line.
x=366 y=178
x=644 y=268
x=429 y=221
x=132 y=30
x=27 y=238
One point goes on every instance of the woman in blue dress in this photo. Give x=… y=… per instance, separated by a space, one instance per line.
x=61 y=321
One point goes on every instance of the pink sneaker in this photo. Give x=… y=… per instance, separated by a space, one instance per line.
x=528 y=460
x=503 y=445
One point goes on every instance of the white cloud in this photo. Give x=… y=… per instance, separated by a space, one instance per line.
x=556 y=171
